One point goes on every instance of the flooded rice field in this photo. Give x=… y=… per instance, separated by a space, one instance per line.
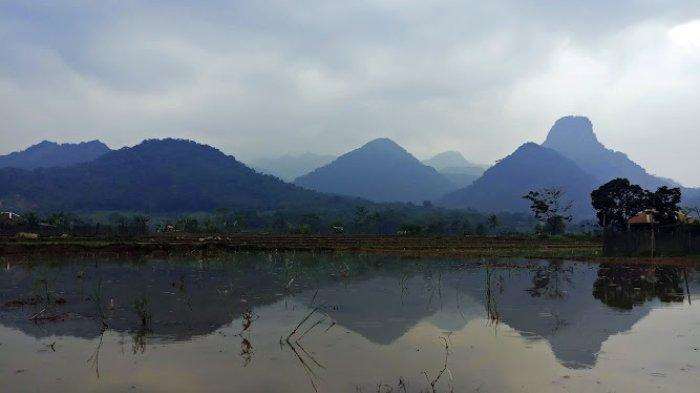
x=305 y=323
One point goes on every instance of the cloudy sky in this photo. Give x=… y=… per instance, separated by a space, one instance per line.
x=257 y=78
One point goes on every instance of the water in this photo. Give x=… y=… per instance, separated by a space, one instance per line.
x=365 y=324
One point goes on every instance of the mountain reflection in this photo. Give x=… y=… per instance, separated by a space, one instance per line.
x=575 y=307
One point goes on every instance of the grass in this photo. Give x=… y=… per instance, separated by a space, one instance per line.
x=469 y=247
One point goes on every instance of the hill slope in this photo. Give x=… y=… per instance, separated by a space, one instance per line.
x=288 y=167
x=50 y=154
x=456 y=168
x=156 y=176
x=573 y=137
x=530 y=167
x=381 y=171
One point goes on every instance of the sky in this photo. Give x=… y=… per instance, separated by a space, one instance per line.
x=264 y=78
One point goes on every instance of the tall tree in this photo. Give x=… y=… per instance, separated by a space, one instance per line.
x=664 y=203
x=616 y=201
x=548 y=207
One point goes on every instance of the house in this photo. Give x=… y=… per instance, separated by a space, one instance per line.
x=646 y=217
x=9 y=217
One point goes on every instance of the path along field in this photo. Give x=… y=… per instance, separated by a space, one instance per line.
x=458 y=247
x=455 y=246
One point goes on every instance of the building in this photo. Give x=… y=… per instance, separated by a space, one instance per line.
x=646 y=217
x=9 y=217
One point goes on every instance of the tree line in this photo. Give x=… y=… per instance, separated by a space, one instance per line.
x=614 y=204
x=402 y=219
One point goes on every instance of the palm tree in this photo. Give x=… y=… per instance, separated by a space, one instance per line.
x=493 y=222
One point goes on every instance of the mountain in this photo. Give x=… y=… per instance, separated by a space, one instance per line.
x=530 y=167
x=288 y=167
x=50 y=154
x=167 y=175
x=380 y=171
x=694 y=200
x=573 y=137
x=450 y=159
x=456 y=168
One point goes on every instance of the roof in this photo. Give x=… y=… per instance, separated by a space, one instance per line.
x=647 y=217
x=644 y=217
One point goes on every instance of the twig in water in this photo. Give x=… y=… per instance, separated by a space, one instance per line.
x=301 y=323
x=445 y=369
x=311 y=328
x=95 y=357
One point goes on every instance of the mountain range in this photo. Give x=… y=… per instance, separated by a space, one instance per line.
x=167 y=175
x=290 y=166
x=456 y=168
x=571 y=158
x=530 y=167
x=178 y=176
x=381 y=171
x=51 y=154
x=574 y=138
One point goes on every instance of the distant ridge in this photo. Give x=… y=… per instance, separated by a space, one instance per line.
x=456 y=168
x=168 y=175
x=380 y=171
x=51 y=154
x=289 y=166
x=573 y=136
x=530 y=167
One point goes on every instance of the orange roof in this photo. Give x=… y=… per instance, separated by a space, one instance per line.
x=645 y=217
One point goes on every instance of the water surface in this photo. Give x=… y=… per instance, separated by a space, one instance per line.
x=305 y=323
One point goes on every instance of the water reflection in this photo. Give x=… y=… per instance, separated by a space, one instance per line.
x=329 y=318
x=626 y=287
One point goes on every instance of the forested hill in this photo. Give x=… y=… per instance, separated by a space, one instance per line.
x=50 y=154
x=167 y=175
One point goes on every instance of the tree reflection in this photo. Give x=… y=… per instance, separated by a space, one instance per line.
x=549 y=281
x=624 y=287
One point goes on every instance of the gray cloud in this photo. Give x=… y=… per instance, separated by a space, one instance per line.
x=263 y=78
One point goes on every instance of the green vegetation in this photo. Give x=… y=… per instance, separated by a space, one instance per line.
x=616 y=201
x=404 y=219
x=549 y=209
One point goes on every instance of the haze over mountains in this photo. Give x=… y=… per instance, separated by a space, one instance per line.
x=290 y=166
x=380 y=171
x=50 y=154
x=456 y=168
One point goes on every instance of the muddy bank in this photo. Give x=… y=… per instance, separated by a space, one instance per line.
x=401 y=246
x=395 y=245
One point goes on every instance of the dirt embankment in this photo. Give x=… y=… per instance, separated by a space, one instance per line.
x=399 y=245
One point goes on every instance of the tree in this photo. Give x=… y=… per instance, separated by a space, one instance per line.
x=493 y=222
x=31 y=220
x=616 y=201
x=694 y=212
x=119 y=222
x=139 y=224
x=548 y=207
x=664 y=203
